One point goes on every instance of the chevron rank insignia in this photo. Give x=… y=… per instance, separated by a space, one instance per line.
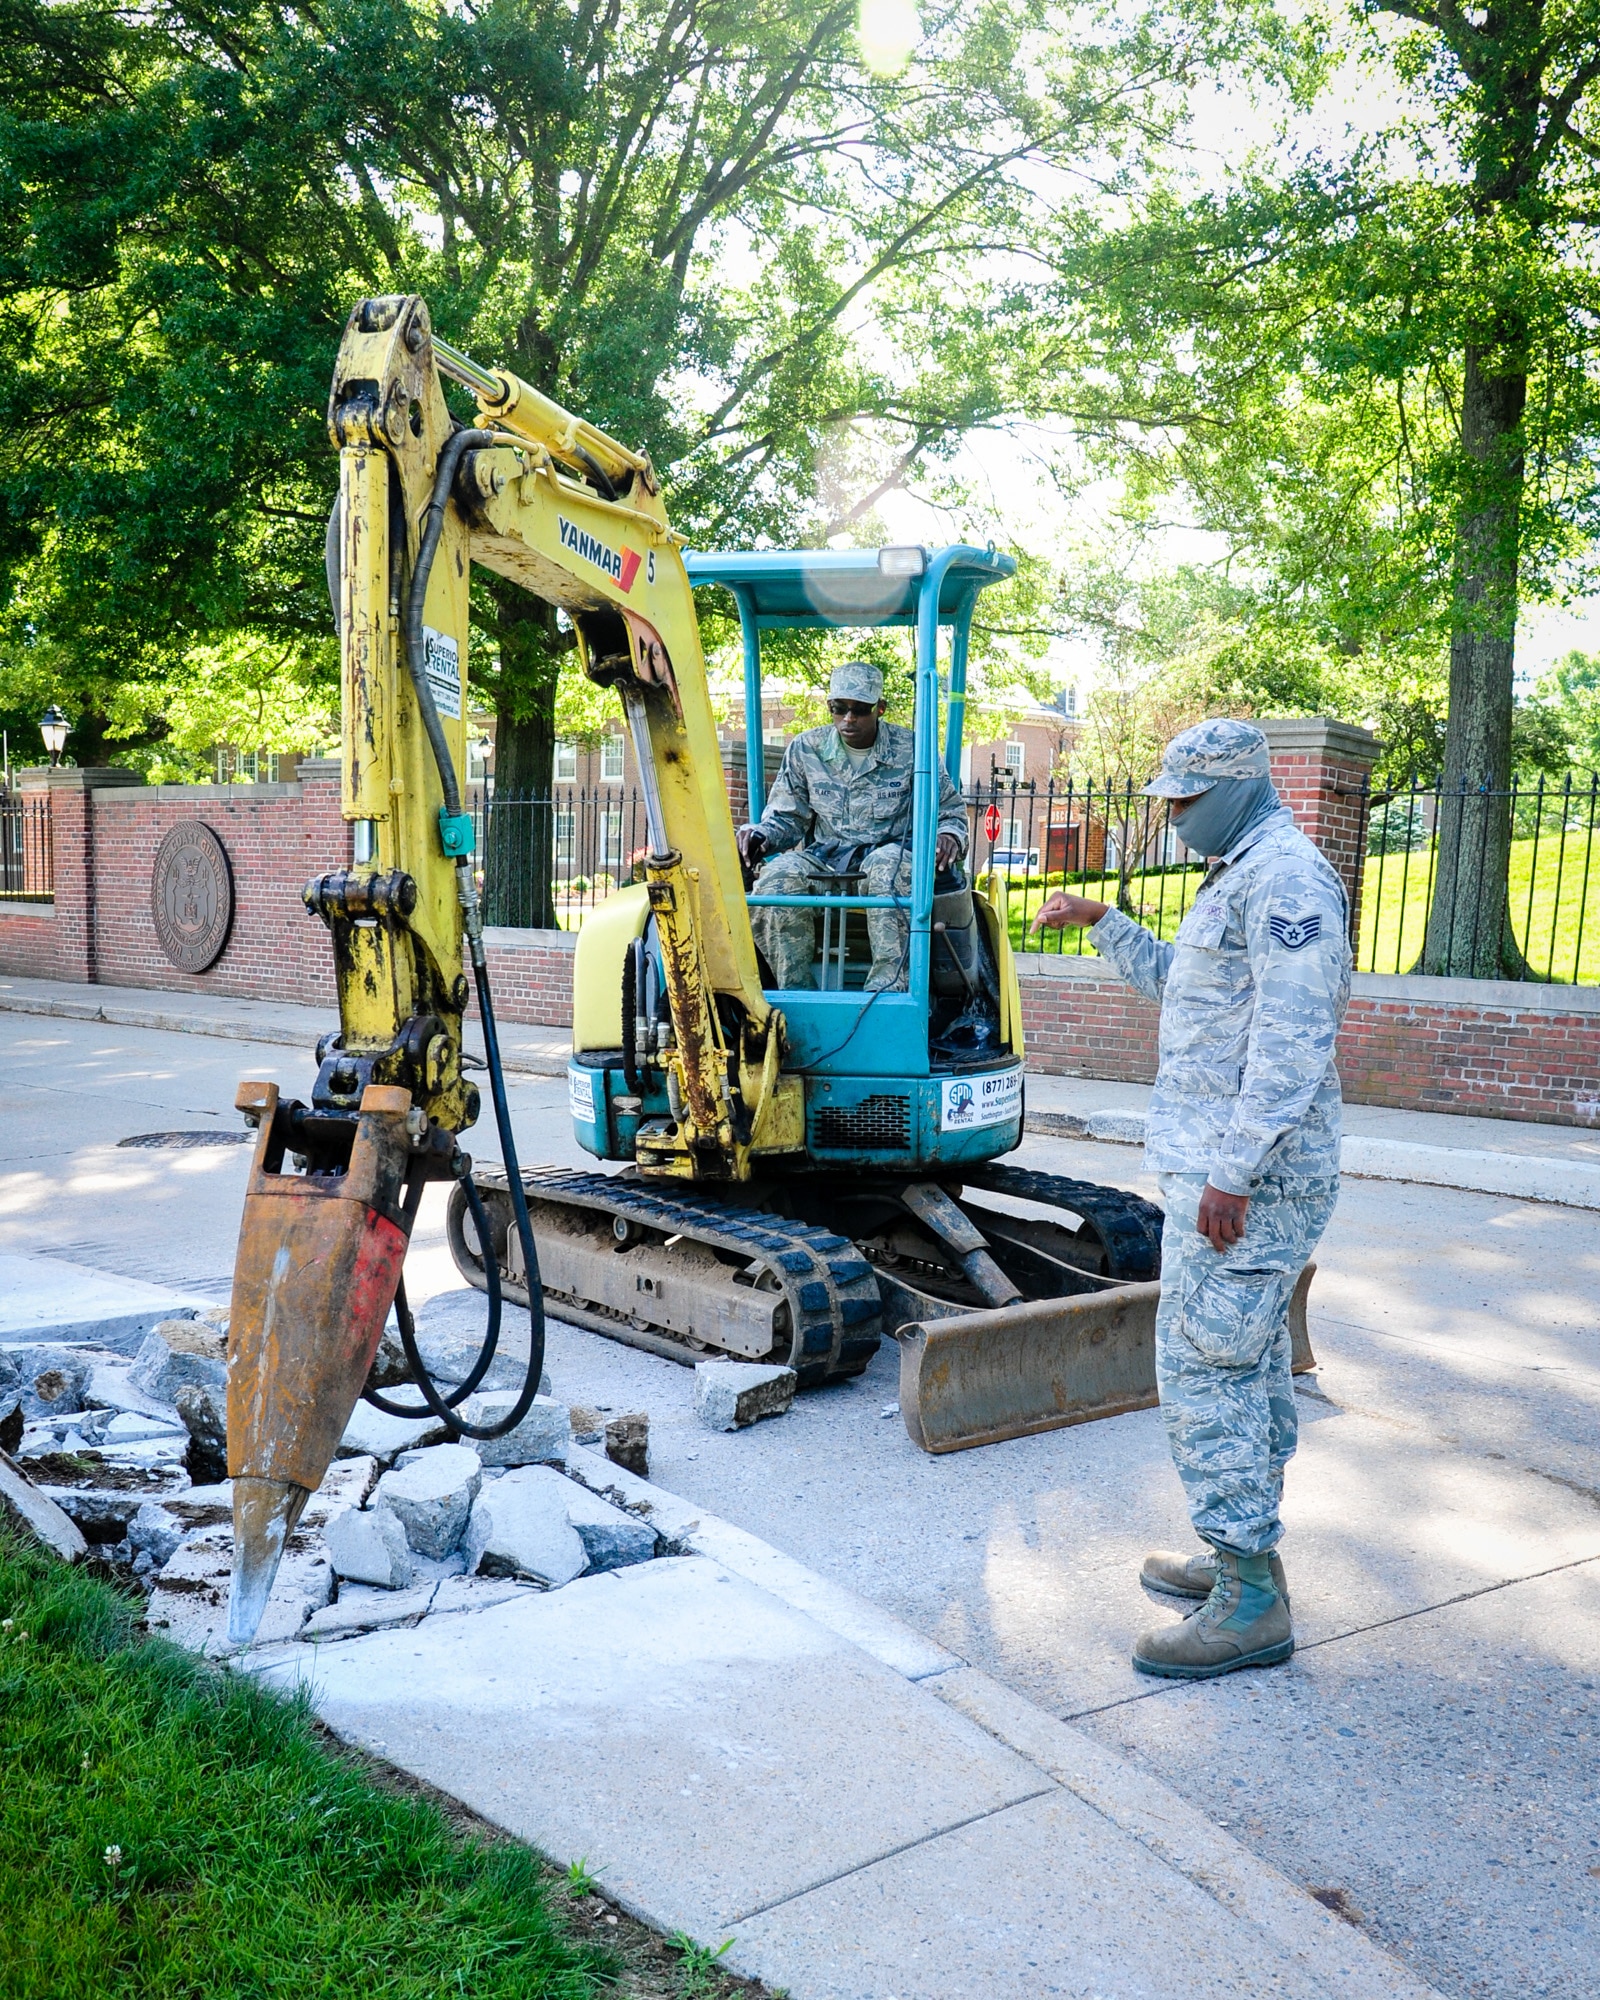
x=1295 y=933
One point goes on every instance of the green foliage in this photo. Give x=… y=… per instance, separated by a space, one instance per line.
x=713 y=231
x=169 y=1828
x=1557 y=729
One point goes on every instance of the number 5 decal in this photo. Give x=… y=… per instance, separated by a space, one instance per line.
x=650 y=567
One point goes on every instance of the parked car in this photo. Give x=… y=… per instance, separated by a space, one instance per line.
x=1015 y=861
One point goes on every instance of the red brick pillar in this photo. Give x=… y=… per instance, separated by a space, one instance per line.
x=1323 y=772
x=71 y=795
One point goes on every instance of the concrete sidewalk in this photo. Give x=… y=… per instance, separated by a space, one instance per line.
x=532 y=1051
x=738 y=1748
x=1554 y=1163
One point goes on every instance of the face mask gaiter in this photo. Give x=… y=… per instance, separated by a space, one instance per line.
x=1221 y=817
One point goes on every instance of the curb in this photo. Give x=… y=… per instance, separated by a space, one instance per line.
x=1522 y=1176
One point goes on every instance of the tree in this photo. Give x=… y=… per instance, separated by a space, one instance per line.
x=199 y=192
x=1374 y=375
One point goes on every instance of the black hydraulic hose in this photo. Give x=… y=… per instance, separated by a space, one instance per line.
x=631 y=1000
x=455 y=449
x=491 y=1339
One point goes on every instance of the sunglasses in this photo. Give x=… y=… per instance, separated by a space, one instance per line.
x=857 y=708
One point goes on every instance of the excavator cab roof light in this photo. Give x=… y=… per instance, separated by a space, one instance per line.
x=902 y=561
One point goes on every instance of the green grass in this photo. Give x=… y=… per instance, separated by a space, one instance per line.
x=1394 y=907
x=167 y=1828
x=1160 y=896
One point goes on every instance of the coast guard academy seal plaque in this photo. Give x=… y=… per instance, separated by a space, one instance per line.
x=191 y=896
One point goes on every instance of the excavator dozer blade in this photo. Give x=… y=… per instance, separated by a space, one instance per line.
x=978 y=1378
x=319 y=1261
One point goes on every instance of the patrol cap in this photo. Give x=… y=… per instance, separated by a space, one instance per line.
x=1221 y=748
x=856 y=680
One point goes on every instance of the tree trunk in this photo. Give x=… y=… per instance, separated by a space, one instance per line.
x=1469 y=922
x=518 y=861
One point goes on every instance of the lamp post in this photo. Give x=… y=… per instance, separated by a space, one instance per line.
x=55 y=729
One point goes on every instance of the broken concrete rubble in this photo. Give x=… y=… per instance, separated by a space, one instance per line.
x=520 y=1527
x=369 y=1547
x=179 y=1352
x=204 y=1410
x=612 y=1538
x=628 y=1442
x=432 y=1492
x=36 y=1516
x=155 y=1532
x=731 y=1395
x=541 y=1438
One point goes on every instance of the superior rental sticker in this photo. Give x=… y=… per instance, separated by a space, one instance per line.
x=967 y=1103
x=441 y=663
x=580 y=1094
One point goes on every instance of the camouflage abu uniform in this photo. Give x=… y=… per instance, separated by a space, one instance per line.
x=828 y=813
x=1252 y=992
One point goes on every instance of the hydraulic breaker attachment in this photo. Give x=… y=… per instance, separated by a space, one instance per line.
x=319 y=1259
x=980 y=1377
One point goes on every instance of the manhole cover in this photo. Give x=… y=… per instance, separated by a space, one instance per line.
x=243 y=1137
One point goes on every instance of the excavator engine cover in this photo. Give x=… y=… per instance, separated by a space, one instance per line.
x=319 y=1260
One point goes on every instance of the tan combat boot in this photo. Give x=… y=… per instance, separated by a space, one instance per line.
x=1193 y=1576
x=1243 y=1623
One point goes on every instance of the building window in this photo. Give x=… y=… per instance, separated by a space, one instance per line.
x=611 y=838
x=566 y=836
x=566 y=763
x=1072 y=701
x=1013 y=834
x=1015 y=755
x=611 y=759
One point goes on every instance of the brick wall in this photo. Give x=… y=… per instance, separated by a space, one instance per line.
x=1488 y=1048
x=530 y=975
x=106 y=833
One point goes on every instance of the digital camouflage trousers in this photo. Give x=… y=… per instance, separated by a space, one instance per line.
x=1222 y=1353
x=788 y=938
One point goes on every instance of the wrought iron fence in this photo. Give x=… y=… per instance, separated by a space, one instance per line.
x=551 y=859
x=1433 y=856
x=27 y=850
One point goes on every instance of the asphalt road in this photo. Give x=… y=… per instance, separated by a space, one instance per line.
x=1428 y=1760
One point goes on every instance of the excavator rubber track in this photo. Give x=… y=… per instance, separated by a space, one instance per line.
x=1129 y=1227
x=834 y=1319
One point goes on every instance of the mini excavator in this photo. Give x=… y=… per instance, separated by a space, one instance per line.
x=796 y=1173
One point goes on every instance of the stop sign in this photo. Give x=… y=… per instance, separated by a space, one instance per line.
x=991 y=823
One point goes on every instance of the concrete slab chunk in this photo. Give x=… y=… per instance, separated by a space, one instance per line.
x=36 y=1515
x=542 y=1438
x=369 y=1547
x=611 y=1537
x=374 y=1433
x=731 y=1395
x=179 y=1354
x=718 y=1750
x=367 y=1610
x=432 y=1494
x=520 y=1527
